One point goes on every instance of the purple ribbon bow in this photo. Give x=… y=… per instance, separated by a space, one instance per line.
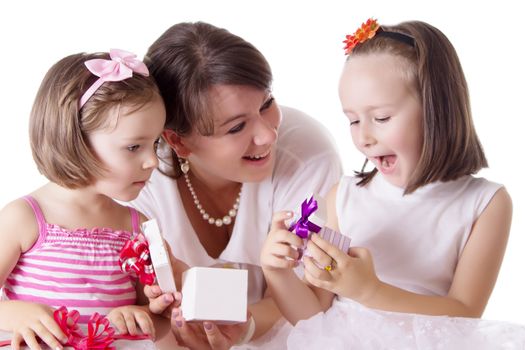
x=303 y=226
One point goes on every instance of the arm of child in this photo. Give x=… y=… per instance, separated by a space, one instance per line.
x=26 y=320
x=295 y=299
x=473 y=281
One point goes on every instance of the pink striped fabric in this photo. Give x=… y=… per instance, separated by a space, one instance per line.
x=76 y=268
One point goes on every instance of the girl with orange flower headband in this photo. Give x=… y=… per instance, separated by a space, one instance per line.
x=428 y=237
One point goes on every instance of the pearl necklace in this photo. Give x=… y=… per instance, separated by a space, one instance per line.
x=226 y=219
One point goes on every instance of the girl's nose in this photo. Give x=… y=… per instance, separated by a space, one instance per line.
x=152 y=161
x=365 y=137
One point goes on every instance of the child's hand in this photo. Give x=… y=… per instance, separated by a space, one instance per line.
x=28 y=321
x=349 y=275
x=126 y=318
x=162 y=303
x=278 y=251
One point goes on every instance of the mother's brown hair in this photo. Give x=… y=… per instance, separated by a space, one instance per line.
x=187 y=60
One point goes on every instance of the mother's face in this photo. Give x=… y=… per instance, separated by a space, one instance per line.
x=242 y=147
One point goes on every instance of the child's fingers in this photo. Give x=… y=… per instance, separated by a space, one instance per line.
x=45 y=335
x=278 y=220
x=328 y=248
x=55 y=330
x=285 y=251
x=311 y=268
x=131 y=325
x=319 y=255
x=281 y=263
x=360 y=252
x=30 y=340
x=118 y=322
x=145 y=324
x=51 y=341
x=16 y=339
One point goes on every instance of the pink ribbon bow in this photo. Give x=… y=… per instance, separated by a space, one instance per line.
x=100 y=334
x=120 y=67
x=135 y=257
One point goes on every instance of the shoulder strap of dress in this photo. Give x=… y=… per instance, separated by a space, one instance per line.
x=135 y=220
x=42 y=229
x=38 y=212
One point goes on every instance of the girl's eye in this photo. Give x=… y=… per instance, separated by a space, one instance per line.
x=382 y=119
x=156 y=144
x=354 y=122
x=133 y=148
x=267 y=104
x=237 y=128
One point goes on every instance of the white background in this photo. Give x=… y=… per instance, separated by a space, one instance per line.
x=302 y=40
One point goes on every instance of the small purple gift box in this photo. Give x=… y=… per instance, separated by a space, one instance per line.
x=312 y=220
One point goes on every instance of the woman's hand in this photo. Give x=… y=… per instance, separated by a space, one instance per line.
x=349 y=275
x=280 y=248
x=162 y=303
x=29 y=321
x=126 y=319
x=206 y=335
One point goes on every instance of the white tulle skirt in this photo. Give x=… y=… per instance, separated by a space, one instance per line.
x=349 y=325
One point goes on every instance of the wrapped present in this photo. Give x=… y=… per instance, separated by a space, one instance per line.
x=312 y=220
x=159 y=256
x=215 y=294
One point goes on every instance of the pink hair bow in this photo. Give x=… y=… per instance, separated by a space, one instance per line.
x=120 y=67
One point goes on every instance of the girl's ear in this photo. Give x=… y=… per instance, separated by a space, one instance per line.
x=176 y=142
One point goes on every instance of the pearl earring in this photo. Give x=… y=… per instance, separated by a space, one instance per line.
x=184 y=165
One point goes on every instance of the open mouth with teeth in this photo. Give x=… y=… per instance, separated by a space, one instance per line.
x=257 y=157
x=386 y=164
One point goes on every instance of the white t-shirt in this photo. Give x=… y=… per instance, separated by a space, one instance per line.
x=415 y=239
x=306 y=162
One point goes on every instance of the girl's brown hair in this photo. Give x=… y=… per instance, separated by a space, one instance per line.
x=58 y=129
x=451 y=147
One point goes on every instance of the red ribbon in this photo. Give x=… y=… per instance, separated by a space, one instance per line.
x=100 y=333
x=135 y=258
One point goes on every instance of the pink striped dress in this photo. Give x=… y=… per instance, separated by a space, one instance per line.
x=75 y=268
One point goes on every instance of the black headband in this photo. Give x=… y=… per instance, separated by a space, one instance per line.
x=407 y=39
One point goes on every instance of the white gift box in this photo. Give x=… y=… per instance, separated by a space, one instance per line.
x=159 y=256
x=214 y=294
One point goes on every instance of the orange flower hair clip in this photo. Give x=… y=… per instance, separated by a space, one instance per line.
x=365 y=32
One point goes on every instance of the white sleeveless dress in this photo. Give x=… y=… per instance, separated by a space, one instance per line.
x=416 y=241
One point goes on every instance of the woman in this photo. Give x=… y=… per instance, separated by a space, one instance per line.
x=224 y=169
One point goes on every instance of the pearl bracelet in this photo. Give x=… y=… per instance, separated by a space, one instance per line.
x=249 y=332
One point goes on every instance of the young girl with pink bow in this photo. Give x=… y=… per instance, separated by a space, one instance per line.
x=94 y=130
